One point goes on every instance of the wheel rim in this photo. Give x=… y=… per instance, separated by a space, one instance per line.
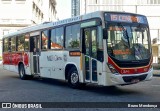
x=74 y=78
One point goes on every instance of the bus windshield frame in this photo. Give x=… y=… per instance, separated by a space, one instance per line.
x=128 y=42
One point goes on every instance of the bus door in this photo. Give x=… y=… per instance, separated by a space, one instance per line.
x=89 y=44
x=34 y=48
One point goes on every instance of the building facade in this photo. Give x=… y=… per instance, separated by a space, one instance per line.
x=17 y=14
x=146 y=7
x=75 y=7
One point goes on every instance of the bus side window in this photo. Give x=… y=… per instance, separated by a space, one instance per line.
x=20 y=44
x=13 y=44
x=72 y=36
x=100 y=44
x=26 y=42
x=94 y=43
x=32 y=44
x=5 y=49
x=45 y=35
x=9 y=45
x=57 y=38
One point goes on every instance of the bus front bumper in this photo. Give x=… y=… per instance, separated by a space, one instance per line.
x=119 y=79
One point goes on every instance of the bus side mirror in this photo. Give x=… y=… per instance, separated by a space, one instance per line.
x=105 y=33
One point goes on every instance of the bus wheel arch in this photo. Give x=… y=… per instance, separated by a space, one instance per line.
x=71 y=74
x=67 y=69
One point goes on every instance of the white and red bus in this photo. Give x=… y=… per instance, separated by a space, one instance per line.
x=83 y=49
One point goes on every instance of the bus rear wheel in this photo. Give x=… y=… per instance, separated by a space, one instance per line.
x=22 y=73
x=73 y=78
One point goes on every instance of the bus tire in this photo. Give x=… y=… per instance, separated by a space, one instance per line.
x=73 y=78
x=22 y=73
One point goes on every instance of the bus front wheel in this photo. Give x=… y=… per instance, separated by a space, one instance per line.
x=73 y=78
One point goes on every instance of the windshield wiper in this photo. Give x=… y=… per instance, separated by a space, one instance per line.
x=125 y=33
x=137 y=53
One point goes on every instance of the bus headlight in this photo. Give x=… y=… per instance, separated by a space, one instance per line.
x=112 y=69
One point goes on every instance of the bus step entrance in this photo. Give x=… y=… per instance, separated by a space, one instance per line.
x=87 y=75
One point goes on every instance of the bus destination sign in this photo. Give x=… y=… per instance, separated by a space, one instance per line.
x=125 y=18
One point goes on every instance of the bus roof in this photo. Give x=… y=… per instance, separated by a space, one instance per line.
x=97 y=14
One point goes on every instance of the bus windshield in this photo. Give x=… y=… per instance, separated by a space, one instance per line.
x=128 y=42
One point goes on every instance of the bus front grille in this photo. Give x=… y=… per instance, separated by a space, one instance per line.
x=128 y=79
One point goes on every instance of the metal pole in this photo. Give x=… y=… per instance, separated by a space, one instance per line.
x=158 y=35
x=136 y=8
x=85 y=6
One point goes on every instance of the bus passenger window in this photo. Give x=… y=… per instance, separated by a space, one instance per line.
x=99 y=44
x=56 y=38
x=20 y=45
x=45 y=40
x=5 y=49
x=26 y=43
x=13 y=44
x=73 y=37
x=94 y=43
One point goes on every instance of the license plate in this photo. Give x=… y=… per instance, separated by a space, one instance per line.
x=135 y=81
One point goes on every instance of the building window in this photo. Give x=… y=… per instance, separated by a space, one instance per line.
x=6 y=21
x=93 y=1
x=20 y=21
x=56 y=40
x=20 y=1
x=6 y=1
x=5 y=32
x=73 y=36
x=153 y=1
x=75 y=7
x=45 y=39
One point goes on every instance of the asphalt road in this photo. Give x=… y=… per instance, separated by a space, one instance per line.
x=12 y=89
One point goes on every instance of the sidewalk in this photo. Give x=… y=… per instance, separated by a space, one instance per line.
x=156 y=72
x=156 y=69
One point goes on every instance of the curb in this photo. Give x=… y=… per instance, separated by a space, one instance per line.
x=156 y=75
x=156 y=72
